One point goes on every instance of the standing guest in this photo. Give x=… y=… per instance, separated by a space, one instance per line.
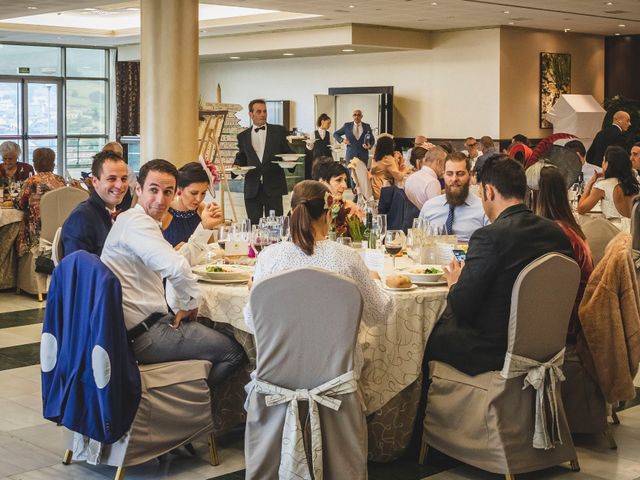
x=359 y=139
x=471 y=335
x=258 y=146
x=553 y=203
x=615 y=191
x=320 y=146
x=610 y=135
x=460 y=212
x=634 y=156
x=588 y=170
x=388 y=166
x=141 y=258
x=471 y=150
x=10 y=167
x=183 y=216
x=424 y=184
x=89 y=223
x=32 y=191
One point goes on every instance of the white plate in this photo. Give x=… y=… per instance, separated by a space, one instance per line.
x=222 y=282
x=241 y=170
x=422 y=277
x=238 y=273
x=432 y=284
x=402 y=289
x=287 y=164
x=290 y=157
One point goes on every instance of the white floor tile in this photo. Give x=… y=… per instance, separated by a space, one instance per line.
x=8 y=339
x=31 y=332
x=17 y=456
x=14 y=386
x=12 y=302
x=59 y=471
x=14 y=416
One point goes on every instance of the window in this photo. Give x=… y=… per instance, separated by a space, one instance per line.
x=40 y=61
x=86 y=107
x=86 y=62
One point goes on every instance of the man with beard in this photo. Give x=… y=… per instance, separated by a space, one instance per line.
x=459 y=212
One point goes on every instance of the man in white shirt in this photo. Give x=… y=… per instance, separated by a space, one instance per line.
x=471 y=150
x=424 y=184
x=459 y=212
x=137 y=253
x=588 y=170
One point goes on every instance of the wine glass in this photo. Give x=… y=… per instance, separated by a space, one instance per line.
x=259 y=239
x=285 y=229
x=394 y=242
x=346 y=241
x=223 y=235
x=381 y=220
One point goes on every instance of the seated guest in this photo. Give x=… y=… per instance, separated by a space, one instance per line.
x=334 y=175
x=446 y=146
x=471 y=335
x=588 y=170
x=471 y=150
x=137 y=253
x=396 y=206
x=10 y=167
x=89 y=223
x=615 y=192
x=416 y=158
x=488 y=149
x=460 y=212
x=553 y=203
x=127 y=200
x=308 y=248
x=634 y=156
x=29 y=200
x=183 y=216
x=424 y=184
x=388 y=166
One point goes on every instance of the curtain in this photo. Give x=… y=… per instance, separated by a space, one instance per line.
x=127 y=98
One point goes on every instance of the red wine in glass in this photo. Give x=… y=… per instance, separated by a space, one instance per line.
x=393 y=248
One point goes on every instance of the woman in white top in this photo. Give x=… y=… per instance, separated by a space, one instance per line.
x=616 y=190
x=310 y=221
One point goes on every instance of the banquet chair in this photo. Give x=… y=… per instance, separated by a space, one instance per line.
x=494 y=421
x=117 y=413
x=305 y=343
x=599 y=232
x=55 y=207
x=57 y=251
x=360 y=176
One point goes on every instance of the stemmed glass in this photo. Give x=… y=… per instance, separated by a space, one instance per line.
x=346 y=241
x=381 y=221
x=223 y=236
x=394 y=242
x=259 y=239
x=285 y=229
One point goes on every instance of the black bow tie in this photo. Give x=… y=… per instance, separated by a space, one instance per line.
x=259 y=128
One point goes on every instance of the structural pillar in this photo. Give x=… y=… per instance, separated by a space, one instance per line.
x=169 y=80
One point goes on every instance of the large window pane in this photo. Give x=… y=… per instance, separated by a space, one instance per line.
x=10 y=111
x=86 y=62
x=34 y=143
x=79 y=153
x=86 y=107
x=39 y=60
x=42 y=109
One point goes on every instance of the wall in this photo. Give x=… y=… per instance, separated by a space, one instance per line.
x=450 y=91
x=622 y=66
x=520 y=74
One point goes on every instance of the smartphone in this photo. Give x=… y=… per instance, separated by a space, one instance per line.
x=460 y=255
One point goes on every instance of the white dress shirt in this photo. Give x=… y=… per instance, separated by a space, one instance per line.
x=137 y=253
x=357 y=130
x=258 y=140
x=422 y=185
x=467 y=218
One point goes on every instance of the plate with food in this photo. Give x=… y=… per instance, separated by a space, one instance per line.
x=424 y=274
x=398 y=283
x=223 y=273
x=289 y=157
x=238 y=170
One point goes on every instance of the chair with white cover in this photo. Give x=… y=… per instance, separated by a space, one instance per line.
x=306 y=325
x=599 y=232
x=494 y=421
x=117 y=413
x=360 y=176
x=55 y=207
x=57 y=251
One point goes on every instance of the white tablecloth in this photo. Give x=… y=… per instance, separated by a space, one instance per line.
x=392 y=352
x=10 y=215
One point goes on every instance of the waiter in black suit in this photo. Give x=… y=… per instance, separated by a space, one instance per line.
x=258 y=146
x=471 y=334
x=610 y=135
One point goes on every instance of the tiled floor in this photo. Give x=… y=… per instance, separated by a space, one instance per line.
x=31 y=448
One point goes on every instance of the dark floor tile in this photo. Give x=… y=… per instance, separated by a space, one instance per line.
x=25 y=355
x=23 y=317
x=7 y=363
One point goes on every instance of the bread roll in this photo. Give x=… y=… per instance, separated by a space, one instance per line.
x=398 y=281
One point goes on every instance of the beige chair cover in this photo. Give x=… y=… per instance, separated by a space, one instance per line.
x=55 y=207
x=361 y=178
x=175 y=408
x=306 y=323
x=56 y=247
x=494 y=420
x=599 y=232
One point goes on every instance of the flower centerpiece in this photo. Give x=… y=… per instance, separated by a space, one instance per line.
x=345 y=221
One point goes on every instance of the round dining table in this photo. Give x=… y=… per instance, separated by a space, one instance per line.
x=391 y=376
x=10 y=224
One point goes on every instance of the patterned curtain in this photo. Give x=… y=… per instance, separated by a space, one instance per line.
x=127 y=98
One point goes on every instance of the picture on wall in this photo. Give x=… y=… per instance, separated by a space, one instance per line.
x=555 y=79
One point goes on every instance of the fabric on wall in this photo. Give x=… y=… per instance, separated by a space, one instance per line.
x=127 y=98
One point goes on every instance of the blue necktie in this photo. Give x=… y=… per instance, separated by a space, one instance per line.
x=449 y=223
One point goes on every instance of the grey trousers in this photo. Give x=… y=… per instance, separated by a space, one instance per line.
x=190 y=341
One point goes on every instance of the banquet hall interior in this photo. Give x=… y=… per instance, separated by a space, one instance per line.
x=173 y=79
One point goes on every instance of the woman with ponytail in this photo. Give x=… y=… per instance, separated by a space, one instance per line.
x=308 y=247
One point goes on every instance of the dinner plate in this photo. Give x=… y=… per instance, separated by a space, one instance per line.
x=287 y=164
x=290 y=157
x=400 y=289
x=241 y=170
x=222 y=282
x=422 y=277
x=239 y=273
x=431 y=284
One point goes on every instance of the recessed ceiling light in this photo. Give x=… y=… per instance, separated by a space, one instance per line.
x=567 y=30
x=506 y=12
x=132 y=9
x=622 y=25
x=352 y=6
x=234 y=58
x=288 y=54
x=90 y=9
x=31 y=7
x=608 y=3
x=512 y=23
x=434 y=4
x=617 y=34
x=348 y=50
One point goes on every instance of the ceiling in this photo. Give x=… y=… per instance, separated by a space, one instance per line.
x=578 y=16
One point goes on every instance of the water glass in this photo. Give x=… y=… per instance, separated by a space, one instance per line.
x=223 y=235
x=346 y=241
x=381 y=220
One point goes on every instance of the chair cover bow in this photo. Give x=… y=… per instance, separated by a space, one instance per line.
x=543 y=377
x=293 y=461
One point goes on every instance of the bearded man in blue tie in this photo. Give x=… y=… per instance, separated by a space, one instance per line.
x=258 y=146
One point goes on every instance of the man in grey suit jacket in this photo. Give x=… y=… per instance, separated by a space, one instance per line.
x=357 y=136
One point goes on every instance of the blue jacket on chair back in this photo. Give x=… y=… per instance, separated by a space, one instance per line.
x=90 y=380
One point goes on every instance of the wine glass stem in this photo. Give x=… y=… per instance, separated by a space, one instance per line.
x=394 y=261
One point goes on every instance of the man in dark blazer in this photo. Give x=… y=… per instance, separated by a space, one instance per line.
x=471 y=334
x=357 y=136
x=258 y=146
x=89 y=223
x=610 y=135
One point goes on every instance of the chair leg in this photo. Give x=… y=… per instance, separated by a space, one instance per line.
x=424 y=448
x=610 y=440
x=213 y=452
x=66 y=460
x=614 y=417
x=119 y=474
x=40 y=297
x=575 y=466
